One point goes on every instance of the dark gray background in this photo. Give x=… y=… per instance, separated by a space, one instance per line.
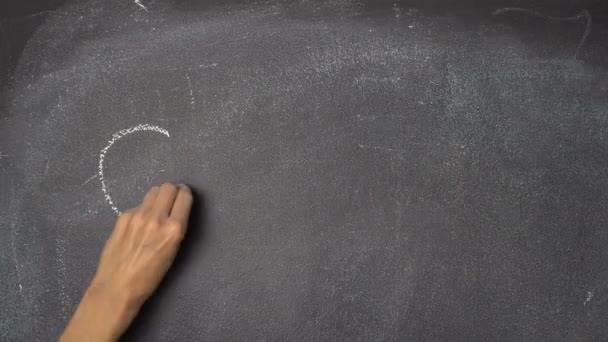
x=364 y=171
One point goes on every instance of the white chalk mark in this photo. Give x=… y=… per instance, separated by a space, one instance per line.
x=397 y=11
x=90 y=179
x=389 y=149
x=589 y=296
x=379 y=148
x=200 y=66
x=192 y=102
x=138 y=3
x=587 y=16
x=582 y=14
x=46 y=168
x=2 y=155
x=20 y=288
x=115 y=137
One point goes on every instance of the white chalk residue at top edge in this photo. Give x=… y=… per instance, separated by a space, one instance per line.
x=115 y=137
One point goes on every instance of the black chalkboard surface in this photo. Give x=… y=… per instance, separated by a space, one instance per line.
x=364 y=171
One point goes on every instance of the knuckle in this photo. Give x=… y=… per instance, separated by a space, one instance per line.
x=173 y=225
x=154 y=222
x=173 y=229
x=140 y=218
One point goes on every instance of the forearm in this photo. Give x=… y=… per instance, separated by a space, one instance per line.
x=135 y=258
x=100 y=317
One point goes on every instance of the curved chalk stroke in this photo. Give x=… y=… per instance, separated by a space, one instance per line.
x=115 y=137
x=582 y=14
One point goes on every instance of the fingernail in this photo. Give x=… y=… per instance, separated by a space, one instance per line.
x=183 y=187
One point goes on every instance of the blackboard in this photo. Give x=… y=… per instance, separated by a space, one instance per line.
x=364 y=171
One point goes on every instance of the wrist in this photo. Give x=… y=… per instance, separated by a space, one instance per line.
x=103 y=315
x=119 y=298
x=118 y=307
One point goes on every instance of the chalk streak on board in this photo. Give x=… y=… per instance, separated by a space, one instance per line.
x=138 y=3
x=90 y=179
x=115 y=137
x=388 y=149
x=192 y=102
x=582 y=14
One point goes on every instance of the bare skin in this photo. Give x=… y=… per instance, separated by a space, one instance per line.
x=134 y=260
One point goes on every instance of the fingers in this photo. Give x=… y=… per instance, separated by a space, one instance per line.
x=122 y=222
x=150 y=198
x=165 y=199
x=182 y=205
x=169 y=200
x=124 y=218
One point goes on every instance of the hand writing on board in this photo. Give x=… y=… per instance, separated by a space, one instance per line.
x=134 y=260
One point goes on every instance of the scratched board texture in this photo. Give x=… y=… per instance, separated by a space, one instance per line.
x=363 y=171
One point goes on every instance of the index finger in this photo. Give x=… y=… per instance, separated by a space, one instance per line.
x=182 y=205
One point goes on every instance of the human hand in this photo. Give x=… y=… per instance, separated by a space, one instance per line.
x=134 y=260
